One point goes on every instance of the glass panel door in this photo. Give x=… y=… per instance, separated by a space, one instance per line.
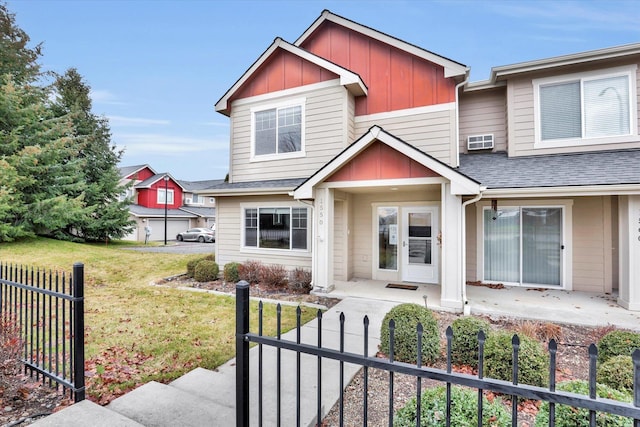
x=419 y=237
x=388 y=238
x=502 y=245
x=419 y=250
x=541 y=245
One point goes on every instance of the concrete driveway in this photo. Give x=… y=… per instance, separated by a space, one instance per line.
x=175 y=247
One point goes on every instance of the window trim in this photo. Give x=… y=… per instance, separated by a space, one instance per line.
x=275 y=205
x=297 y=102
x=566 y=269
x=630 y=71
x=169 y=192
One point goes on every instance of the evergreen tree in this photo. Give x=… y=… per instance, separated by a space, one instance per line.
x=109 y=217
x=16 y=59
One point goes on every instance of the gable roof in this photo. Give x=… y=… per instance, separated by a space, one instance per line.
x=147 y=183
x=348 y=79
x=125 y=171
x=597 y=172
x=451 y=68
x=460 y=184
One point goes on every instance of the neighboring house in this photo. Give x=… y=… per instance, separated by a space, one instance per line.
x=358 y=155
x=149 y=192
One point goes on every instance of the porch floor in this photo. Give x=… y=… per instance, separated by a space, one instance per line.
x=583 y=308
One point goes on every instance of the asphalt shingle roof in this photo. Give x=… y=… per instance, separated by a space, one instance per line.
x=497 y=170
x=276 y=183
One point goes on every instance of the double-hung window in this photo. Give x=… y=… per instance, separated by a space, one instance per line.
x=276 y=228
x=278 y=131
x=589 y=108
x=161 y=196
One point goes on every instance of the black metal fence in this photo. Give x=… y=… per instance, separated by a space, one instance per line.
x=555 y=397
x=44 y=312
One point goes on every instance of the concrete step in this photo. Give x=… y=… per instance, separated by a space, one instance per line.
x=86 y=413
x=159 y=405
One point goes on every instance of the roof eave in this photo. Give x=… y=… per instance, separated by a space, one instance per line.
x=564 y=191
x=559 y=61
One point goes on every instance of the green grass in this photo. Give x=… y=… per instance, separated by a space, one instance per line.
x=136 y=332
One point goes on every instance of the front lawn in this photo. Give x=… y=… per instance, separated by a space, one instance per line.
x=136 y=332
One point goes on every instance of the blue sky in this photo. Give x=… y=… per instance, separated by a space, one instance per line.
x=156 y=68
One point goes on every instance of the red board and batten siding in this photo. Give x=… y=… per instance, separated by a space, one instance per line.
x=141 y=175
x=379 y=161
x=283 y=70
x=148 y=197
x=396 y=79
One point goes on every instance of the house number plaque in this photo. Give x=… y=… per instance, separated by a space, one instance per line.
x=320 y=211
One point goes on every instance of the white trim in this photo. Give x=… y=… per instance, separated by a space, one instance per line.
x=451 y=68
x=449 y=106
x=382 y=182
x=629 y=71
x=295 y=91
x=298 y=102
x=169 y=192
x=591 y=190
x=283 y=204
x=349 y=79
x=566 y=269
x=460 y=184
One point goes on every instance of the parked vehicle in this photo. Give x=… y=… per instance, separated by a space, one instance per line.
x=201 y=235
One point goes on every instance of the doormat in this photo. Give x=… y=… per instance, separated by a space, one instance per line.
x=401 y=286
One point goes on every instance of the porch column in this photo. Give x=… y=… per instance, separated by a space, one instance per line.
x=323 y=242
x=452 y=245
x=629 y=252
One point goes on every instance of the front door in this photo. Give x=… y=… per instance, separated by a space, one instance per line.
x=419 y=244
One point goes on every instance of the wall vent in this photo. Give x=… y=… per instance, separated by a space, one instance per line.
x=480 y=142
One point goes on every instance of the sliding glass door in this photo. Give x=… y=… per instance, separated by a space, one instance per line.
x=523 y=245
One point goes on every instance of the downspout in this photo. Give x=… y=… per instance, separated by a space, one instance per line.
x=466 y=308
x=458 y=86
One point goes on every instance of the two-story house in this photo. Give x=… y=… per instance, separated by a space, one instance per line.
x=358 y=155
x=159 y=199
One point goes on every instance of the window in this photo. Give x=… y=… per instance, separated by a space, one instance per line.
x=194 y=198
x=278 y=131
x=161 y=196
x=523 y=245
x=585 y=108
x=276 y=228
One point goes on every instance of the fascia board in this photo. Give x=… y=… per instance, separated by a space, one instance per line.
x=451 y=68
x=251 y=191
x=559 y=61
x=347 y=78
x=594 y=190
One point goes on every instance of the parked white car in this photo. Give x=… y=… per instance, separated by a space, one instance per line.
x=201 y=235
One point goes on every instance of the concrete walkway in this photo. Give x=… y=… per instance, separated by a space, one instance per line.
x=207 y=398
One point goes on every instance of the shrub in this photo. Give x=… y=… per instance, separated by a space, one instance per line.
x=300 y=281
x=617 y=372
x=407 y=317
x=544 y=331
x=617 y=343
x=273 y=275
x=191 y=265
x=251 y=271
x=230 y=272
x=568 y=416
x=206 y=271
x=532 y=360
x=464 y=344
x=464 y=409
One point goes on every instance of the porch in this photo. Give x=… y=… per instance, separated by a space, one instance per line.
x=584 y=308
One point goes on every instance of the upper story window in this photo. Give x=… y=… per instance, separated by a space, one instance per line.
x=195 y=198
x=588 y=108
x=161 y=197
x=277 y=131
